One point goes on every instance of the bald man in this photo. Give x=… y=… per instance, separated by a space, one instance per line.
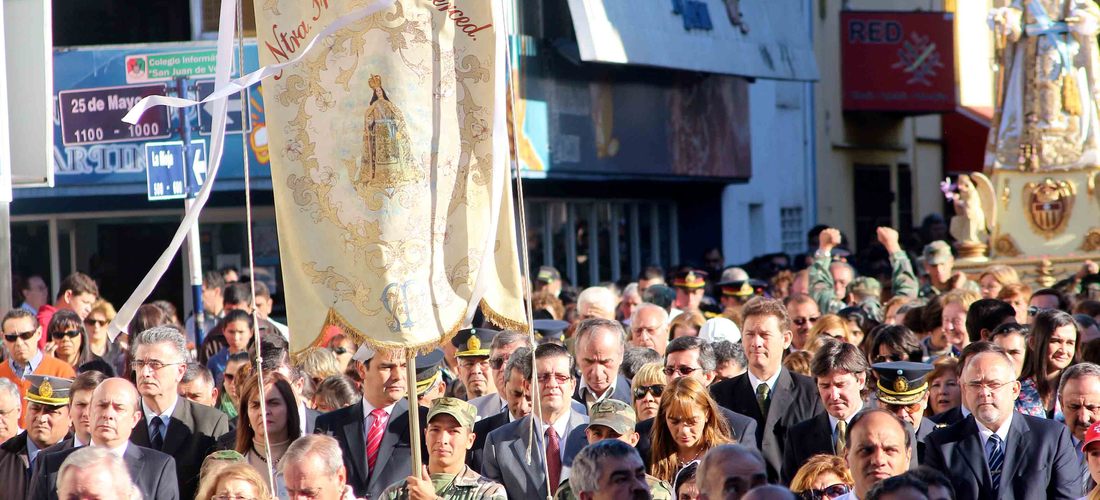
x=730 y=469
x=114 y=412
x=878 y=447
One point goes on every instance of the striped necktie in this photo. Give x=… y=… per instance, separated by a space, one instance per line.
x=374 y=436
x=995 y=453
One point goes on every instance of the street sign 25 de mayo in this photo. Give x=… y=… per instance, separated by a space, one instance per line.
x=94 y=116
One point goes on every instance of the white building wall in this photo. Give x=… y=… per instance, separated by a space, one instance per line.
x=780 y=118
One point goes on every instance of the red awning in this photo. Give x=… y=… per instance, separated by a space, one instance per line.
x=965 y=132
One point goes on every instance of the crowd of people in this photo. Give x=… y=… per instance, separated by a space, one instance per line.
x=842 y=379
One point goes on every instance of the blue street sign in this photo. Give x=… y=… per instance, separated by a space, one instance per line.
x=234 y=122
x=166 y=170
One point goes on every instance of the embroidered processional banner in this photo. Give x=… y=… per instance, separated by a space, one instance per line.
x=389 y=164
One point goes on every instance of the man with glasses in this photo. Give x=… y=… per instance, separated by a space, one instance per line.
x=903 y=391
x=47 y=423
x=504 y=343
x=21 y=338
x=804 y=313
x=505 y=454
x=840 y=370
x=649 y=327
x=999 y=453
x=472 y=346
x=769 y=393
x=172 y=424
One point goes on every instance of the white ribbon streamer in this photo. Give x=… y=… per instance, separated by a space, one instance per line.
x=223 y=88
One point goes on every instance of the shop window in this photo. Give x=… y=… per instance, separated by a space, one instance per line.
x=790 y=222
x=596 y=241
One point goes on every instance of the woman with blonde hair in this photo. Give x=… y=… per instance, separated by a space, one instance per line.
x=829 y=325
x=236 y=480
x=688 y=423
x=994 y=278
x=686 y=324
x=318 y=363
x=647 y=387
x=822 y=476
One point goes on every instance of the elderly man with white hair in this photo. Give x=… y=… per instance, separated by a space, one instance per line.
x=313 y=467
x=95 y=472
x=649 y=327
x=597 y=302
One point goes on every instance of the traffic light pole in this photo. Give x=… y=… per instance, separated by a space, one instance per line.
x=194 y=252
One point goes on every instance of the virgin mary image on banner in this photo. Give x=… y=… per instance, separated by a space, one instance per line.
x=390 y=169
x=387 y=157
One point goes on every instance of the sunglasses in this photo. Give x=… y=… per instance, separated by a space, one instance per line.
x=95 y=322
x=641 y=391
x=1035 y=310
x=829 y=492
x=683 y=370
x=498 y=362
x=72 y=334
x=24 y=335
x=911 y=409
x=339 y=351
x=802 y=321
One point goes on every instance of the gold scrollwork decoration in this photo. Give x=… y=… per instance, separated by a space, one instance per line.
x=1005 y=246
x=1048 y=205
x=1091 y=242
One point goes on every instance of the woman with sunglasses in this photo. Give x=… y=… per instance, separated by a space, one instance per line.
x=822 y=477
x=237 y=330
x=69 y=342
x=688 y=423
x=103 y=313
x=647 y=386
x=1052 y=348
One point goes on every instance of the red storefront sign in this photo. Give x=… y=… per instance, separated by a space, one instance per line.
x=898 y=61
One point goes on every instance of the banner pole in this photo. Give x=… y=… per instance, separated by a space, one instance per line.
x=414 y=412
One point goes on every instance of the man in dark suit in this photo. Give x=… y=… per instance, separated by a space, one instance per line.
x=840 y=370
x=997 y=453
x=600 y=347
x=114 y=414
x=1079 y=394
x=773 y=396
x=172 y=424
x=505 y=453
x=515 y=393
x=903 y=390
x=382 y=418
x=47 y=423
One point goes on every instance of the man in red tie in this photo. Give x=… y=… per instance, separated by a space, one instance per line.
x=374 y=433
x=554 y=418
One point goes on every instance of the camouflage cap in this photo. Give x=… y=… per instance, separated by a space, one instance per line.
x=865 y=286
x=613 y=414
x=47 y=390
x=462 y=411
x=936 y=253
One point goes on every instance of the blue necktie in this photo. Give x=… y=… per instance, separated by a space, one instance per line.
x=156 y=433
x=995 y=453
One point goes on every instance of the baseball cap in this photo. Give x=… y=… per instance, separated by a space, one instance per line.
x=463 y=412
x=613 y=414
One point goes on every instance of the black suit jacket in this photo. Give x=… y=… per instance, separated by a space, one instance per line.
x=621 y=392
x=1039 y=462
x=804 y=440
x=482 y=428
x=394 y=454
x=794 y=399
x=949 y=417
x=153 y=472
x=191 y=436
x=743 y=429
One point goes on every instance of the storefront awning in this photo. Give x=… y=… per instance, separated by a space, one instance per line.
x=965 y=132
x=749 y=39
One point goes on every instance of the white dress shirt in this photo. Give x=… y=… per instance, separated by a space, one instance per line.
x=368 y=419
x=755 y=382
x=561 y=426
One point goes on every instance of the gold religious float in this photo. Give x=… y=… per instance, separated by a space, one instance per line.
x=1036 y=207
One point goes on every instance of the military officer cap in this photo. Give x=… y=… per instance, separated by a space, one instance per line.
x=463 y=412
x=47 y=390
x=901 y=382
x=427 y=370
x=473 y=341
x=548 y=274
x=936 y=253
x=613 y=414
x=743 y=288
x=691 y=279
x=549 y=330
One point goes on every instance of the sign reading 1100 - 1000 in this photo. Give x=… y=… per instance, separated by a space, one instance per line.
x=94 y=116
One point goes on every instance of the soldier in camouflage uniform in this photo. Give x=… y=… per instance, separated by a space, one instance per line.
x=830 y=294
x=613 y=419
x=939 y=264
x=449 y=436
